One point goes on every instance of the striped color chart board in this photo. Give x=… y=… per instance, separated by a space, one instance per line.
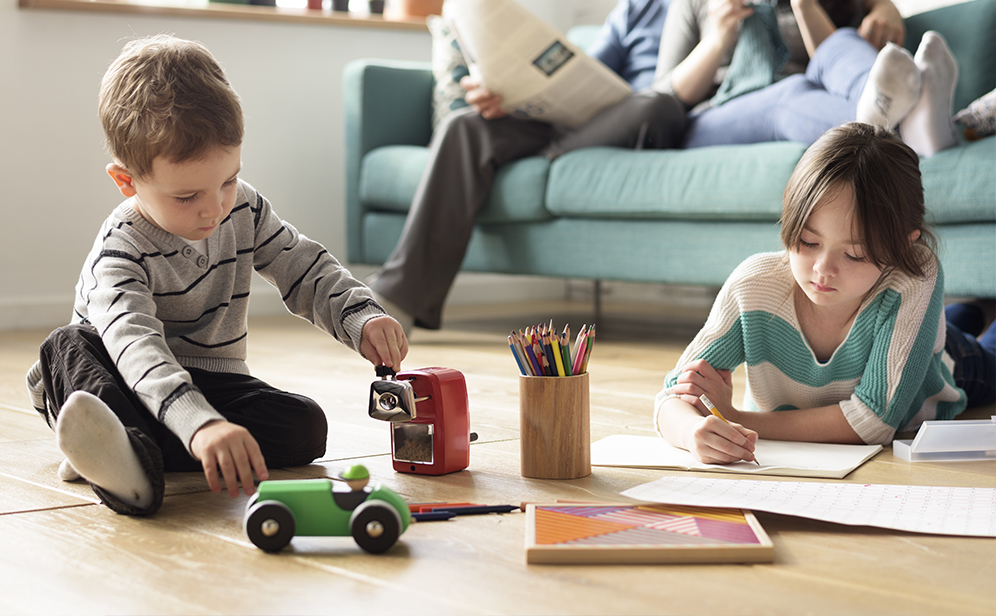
x=642 y=534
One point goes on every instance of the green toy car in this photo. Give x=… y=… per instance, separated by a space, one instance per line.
x=374 y=516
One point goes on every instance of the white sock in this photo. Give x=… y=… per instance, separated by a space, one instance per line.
x=67 y=472
x=928 y=128
x=892 y=89
x=96 y=445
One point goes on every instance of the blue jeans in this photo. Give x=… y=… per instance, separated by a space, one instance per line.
x=798 y=108
x=975 y=358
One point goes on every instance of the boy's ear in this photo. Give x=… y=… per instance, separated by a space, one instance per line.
x=122 y=177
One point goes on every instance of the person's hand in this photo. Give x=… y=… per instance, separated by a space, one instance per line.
x=230 y=447
x=699 y=377
x=726 y=16
x=714 y=441
x=883 y=24
x=383 y=342
x=485 y=102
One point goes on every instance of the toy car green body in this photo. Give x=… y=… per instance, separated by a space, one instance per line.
x=375 y=516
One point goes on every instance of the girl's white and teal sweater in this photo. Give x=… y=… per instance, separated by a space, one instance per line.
x=890 y=373
x=160 y=306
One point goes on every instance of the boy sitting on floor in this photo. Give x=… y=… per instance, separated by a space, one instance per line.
x=151 y=374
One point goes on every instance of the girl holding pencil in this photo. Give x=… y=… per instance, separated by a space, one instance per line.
x=843 y=334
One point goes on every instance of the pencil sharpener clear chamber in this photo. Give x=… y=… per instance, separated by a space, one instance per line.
x=429 y=414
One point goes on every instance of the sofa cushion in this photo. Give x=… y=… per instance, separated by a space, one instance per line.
x=959 y=185
x=737 y=183
x=390 y=175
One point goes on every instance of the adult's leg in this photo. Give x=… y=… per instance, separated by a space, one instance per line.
x=646 y=120
x=290 y=429
x=106 y=434
x=798 y=108
x=464 y=154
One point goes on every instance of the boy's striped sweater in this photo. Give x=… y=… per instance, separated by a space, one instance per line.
x=891 y=372
x=160 y=306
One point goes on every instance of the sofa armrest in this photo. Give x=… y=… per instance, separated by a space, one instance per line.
x=385 y=103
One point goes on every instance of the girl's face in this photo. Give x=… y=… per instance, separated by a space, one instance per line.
x=829 y=263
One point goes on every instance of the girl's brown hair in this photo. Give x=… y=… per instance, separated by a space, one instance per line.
x=884 y=176
x=165 y=96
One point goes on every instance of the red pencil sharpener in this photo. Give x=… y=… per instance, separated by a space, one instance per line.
x=430 y=421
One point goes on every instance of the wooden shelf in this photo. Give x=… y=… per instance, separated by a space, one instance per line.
x=231 y=11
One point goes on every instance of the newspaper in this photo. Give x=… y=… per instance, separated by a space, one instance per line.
x=538 y=73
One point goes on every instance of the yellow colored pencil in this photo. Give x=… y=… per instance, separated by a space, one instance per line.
x=715 y=411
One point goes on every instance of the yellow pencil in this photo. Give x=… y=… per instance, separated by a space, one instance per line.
x=715 y=411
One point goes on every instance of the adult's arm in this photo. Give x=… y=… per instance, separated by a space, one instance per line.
x=882 y=24
x=698 y=38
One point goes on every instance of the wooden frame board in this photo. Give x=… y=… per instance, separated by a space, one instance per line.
x=627 y=533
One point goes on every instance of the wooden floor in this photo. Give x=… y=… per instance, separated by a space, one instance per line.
x=63 y=553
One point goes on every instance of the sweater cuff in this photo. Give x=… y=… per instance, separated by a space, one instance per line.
x=354 y=323
x=188 y=414
x=865 y=423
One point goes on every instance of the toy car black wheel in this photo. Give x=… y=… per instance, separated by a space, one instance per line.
x=270 y=525
x=375 y=526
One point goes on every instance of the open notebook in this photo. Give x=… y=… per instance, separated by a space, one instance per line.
x=789 y=458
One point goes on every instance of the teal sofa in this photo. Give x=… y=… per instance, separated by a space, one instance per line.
x=683 y=217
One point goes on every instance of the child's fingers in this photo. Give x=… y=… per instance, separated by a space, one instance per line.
x=717 y=442
x=211 y=474
x=229 y=473
x=258 y=465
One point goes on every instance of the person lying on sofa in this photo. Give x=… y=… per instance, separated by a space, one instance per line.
x=472 y=143
x=790 y=71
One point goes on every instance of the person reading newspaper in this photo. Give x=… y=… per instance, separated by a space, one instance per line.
x=469 y=146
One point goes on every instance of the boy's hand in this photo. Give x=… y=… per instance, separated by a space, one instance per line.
x=221 y=444
x=485 y=102
x=714 y=441
x=383 y=342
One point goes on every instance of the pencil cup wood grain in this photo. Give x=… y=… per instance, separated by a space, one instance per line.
x=554 y=427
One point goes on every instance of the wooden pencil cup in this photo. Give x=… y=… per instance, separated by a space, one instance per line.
x=554 y=429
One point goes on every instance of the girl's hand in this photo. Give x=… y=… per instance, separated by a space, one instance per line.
x=699 y=377
x=485 y=102
x=726 y=16
x=230 y=447
x=383 y=342
x=714 y=441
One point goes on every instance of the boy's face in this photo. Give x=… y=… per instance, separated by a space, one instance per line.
x=189 y=198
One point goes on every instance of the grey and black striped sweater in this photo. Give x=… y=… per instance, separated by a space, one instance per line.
x=161 y=306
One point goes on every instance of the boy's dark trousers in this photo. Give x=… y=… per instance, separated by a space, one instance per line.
x=291 y=429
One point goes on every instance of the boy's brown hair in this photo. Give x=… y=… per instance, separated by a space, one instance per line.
x=884 y=176
x=168 y=97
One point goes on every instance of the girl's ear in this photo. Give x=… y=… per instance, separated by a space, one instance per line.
x=914 y=236
x=122 y=178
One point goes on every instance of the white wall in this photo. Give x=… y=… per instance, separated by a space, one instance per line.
x=52 y=160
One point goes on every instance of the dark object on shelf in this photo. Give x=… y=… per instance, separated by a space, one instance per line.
x=376 y=6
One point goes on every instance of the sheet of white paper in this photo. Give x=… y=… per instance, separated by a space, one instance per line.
x=787 y=458
x=920 y=509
